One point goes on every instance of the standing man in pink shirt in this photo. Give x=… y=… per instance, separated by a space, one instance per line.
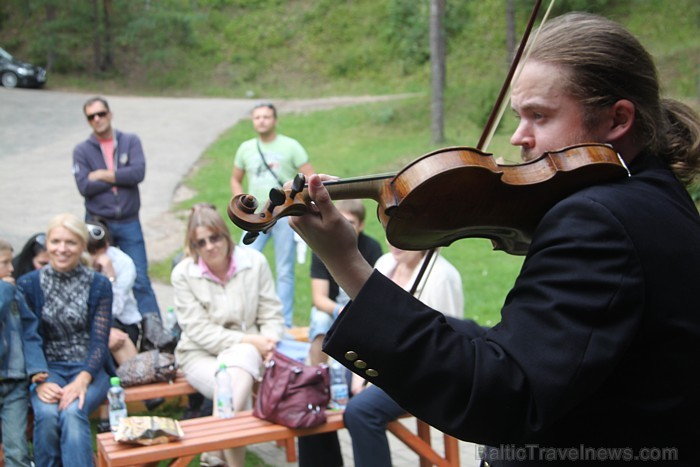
x=108 y=167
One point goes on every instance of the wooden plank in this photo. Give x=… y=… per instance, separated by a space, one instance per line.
x=179 y=387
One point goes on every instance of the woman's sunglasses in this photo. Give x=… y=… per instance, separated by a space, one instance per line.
x=213 y=239
x=95 y=231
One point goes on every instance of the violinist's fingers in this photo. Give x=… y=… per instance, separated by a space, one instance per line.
x=328 y=178
x=325 y=177
x=318 y=192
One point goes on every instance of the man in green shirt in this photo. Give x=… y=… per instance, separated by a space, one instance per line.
x=270 y=160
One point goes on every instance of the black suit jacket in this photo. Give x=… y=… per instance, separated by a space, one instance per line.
x=598 y=344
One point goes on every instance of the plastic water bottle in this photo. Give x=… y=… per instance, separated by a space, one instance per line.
x=339 y=386
x=117 y=403
x=224 y=397
x=171 y=323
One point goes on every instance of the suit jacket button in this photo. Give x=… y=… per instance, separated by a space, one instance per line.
x=372 y=373
x=351 y=355
x=360 y=364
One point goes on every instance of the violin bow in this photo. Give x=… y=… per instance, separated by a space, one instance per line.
x=494 y=116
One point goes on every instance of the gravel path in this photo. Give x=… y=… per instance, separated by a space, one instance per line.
x=40 y=128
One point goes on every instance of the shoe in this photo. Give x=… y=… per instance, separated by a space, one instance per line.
x=103 y=426
x=210 y=460
x=152 y=404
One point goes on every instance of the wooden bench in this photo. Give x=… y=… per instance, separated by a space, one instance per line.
x=213 y=433
x=179 y=387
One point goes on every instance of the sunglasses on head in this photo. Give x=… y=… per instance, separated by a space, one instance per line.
x=213 y=239
x=41 y=239
x=101 y=114
x=95 y=231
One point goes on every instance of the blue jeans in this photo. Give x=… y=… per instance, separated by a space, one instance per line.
x=128 y=236
x=366 y=418
x=319 y=324
x=63 y=438
x=285 y=257
x=14 y=400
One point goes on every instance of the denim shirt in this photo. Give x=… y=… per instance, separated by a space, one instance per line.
x=21 y=353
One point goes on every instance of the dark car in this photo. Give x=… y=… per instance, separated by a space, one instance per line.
x=15 y=72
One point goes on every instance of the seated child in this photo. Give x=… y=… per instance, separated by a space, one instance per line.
x=21 y=357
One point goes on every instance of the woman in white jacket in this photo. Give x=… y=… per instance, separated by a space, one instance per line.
x=227 y=308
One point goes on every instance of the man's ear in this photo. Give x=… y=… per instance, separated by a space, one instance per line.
x=621 y=116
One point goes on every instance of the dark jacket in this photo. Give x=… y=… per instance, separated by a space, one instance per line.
x=130 y=170
x=99 y=308
x=21 y=354
x=599 y=339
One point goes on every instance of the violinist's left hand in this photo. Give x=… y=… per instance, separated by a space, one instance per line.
x=332 y=238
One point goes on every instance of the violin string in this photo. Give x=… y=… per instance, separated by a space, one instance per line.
x=506 y=100
x=497 y=110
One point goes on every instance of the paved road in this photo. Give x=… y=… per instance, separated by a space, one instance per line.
x=40 y=128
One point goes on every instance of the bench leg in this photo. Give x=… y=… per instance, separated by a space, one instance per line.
x=420 y=443
x=290 y=446
x=452 y=450
x=423 y=430
x=182 y=461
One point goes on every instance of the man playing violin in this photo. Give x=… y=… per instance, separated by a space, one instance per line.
x=595 y=356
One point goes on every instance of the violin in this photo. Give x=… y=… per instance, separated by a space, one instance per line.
x=455 y=192
x=450 y=194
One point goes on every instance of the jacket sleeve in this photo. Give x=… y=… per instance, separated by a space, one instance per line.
x=100 y=305
x=131 y=169
x=32 y=344
x=82 y=166
x=572 y=312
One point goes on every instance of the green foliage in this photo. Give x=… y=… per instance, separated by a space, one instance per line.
x=308 y=48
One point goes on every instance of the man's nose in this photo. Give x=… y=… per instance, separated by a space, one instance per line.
x=522 y=138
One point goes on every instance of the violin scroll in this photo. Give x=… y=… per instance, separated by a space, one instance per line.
x=291 y=202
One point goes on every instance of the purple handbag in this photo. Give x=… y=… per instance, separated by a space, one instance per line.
x=292 y=394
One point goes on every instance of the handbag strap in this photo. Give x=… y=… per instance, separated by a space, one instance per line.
x=267 y=166
x=278 y=387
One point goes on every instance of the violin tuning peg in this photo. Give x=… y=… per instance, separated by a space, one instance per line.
x=277 y=197
x=250 y=237
x=297 y=184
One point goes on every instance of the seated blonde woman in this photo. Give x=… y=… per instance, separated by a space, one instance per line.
x=228 y=310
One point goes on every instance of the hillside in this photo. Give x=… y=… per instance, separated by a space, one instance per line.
x=302 y=48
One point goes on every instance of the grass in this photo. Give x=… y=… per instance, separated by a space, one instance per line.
x=354 y=141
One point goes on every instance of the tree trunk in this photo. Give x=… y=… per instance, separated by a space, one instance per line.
x=107 y=57
x=50 y=52
x=437 y=65
x=96 y=37
x=510 y=30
